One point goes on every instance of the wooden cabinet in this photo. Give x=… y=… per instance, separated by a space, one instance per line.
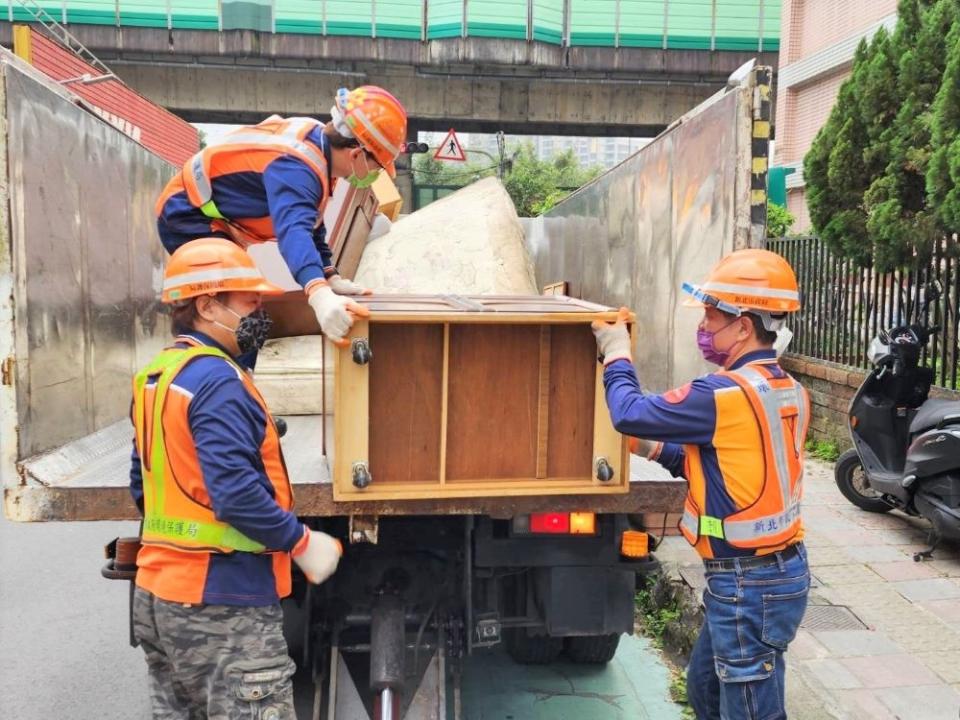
x=472 y=396
x=349 y=235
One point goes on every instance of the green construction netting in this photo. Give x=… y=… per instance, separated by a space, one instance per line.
x=299 y=16
x=548 y=21
x=444 y=19
x=641 y=23
x=680 y=24
x=399 y=19
x=505 y=19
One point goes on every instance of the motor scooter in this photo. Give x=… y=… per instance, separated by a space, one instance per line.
x=906 y=445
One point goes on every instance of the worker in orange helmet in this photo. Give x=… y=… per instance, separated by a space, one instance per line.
x=272 y=181
x=737 y=436
x=208 y=475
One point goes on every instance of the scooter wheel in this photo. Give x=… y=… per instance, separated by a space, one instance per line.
x=848 y=474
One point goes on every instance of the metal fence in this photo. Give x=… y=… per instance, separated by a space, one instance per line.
x=845 y=306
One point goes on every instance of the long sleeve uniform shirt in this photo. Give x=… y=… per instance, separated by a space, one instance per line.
x=228 y=427
x=730 y=447
x=288 y=191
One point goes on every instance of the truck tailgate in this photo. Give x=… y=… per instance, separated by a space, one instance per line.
x=87 y=479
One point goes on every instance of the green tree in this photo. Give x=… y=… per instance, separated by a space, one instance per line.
x=537 y=185
x=834 y=169
x=428 y=171
x=899 y=220
x=943 y=171
x=879 y=178
x=534 y=185
x=779 y=220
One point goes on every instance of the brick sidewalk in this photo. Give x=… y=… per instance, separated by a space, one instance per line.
x=881 y=638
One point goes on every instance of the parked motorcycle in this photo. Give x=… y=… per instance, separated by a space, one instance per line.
x=906 y=446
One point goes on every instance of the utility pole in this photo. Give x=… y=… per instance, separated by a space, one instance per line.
x=502 y=151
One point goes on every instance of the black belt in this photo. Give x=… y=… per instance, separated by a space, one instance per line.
x=752 y=561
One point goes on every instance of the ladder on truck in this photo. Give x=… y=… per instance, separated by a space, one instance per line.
x=58 y=32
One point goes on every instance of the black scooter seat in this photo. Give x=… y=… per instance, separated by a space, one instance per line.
x=932 y=413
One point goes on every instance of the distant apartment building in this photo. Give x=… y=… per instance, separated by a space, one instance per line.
x=818 y=39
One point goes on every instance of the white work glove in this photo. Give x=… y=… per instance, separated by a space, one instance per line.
x=613 y=339
x=342 y=286
x=317 y=555
x=335 y=313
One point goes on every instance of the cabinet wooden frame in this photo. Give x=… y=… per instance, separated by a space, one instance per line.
x=442 y=412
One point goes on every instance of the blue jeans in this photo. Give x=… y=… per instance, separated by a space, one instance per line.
x=737 y=669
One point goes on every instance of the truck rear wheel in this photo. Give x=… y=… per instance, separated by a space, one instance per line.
x=531 y=649
x=592 y=649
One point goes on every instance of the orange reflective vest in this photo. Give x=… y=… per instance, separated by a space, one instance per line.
x=244 y=150
x=176 y=509
x=782 y=412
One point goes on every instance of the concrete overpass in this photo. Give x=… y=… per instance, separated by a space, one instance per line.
x=590 y=68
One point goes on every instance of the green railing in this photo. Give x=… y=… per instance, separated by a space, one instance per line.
x=748 y=25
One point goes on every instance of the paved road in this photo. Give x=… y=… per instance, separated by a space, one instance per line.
x=64 y=652
x=63 y=633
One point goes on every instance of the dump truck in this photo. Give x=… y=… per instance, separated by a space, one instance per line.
x=449 y=548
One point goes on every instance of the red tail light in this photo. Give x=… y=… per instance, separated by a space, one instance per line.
x=550 y=523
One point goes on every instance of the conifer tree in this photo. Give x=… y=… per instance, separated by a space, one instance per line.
x=881 y=174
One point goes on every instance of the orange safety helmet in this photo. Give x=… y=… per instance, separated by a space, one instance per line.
x=375 y=118
x=212 y=265
x=755 y=281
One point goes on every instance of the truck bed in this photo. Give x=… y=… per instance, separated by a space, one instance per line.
x=88 y=480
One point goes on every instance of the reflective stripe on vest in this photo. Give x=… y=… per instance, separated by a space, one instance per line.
x=198 y=530
x=288 y=138
x=750 y=527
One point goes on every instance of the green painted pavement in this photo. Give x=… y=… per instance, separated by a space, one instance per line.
x=634 y=686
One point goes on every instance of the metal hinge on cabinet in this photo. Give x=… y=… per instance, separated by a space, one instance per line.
x=6 y=371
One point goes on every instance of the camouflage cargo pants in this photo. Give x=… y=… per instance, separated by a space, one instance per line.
x=214 y=662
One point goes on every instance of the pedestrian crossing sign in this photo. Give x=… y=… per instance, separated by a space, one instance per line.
x=450 y=149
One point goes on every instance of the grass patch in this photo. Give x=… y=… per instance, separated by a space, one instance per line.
x=827 y=450
x=678 y=693
x=655 y=619
x=657 y=612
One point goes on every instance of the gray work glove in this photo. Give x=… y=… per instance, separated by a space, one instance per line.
x=342 y=286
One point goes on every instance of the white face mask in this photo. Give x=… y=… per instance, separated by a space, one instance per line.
x=784 y=336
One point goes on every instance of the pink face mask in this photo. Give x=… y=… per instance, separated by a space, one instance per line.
x=705 y=341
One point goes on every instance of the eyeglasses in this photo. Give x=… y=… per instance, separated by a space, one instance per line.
x=377 y=167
